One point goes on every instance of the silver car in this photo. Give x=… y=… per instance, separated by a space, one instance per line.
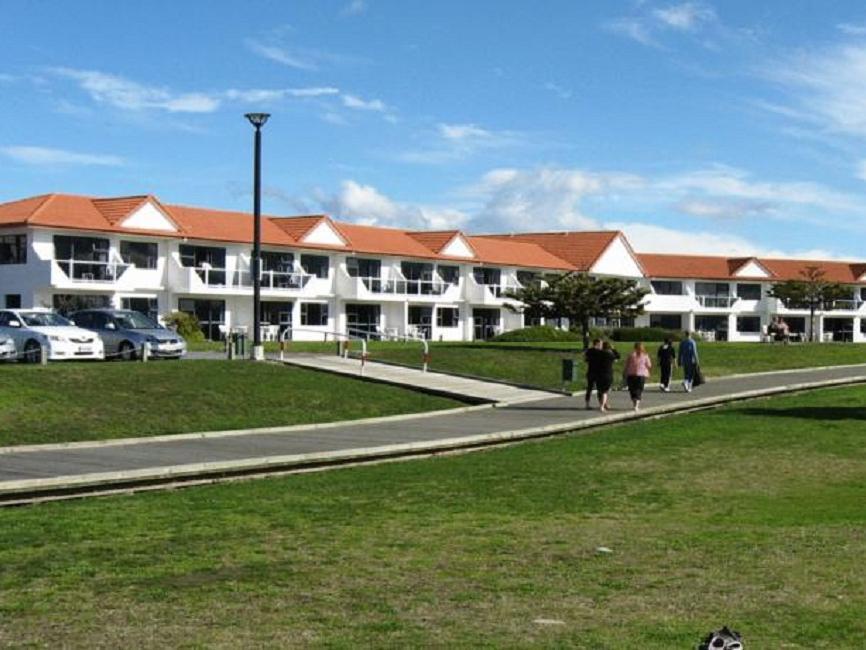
x=125 y=332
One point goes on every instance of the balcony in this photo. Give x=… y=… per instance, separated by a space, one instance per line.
x=490 y=294
x=206 y=279
x=716 y=302
x=398 y=288
x=89 y=274
x=844 y=305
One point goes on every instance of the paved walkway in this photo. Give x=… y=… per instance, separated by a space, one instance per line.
x=52 y=471
x=473 y=390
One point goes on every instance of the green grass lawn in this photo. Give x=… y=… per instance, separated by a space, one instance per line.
x=67 y=402
x=752 y=515
x=539 y=363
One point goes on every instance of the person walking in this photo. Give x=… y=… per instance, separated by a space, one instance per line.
x=637 y=369
x=593 y=358
x=608 y=355
x=667 y=356
x=687 y=357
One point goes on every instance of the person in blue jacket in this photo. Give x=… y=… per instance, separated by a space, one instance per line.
x=687 y=358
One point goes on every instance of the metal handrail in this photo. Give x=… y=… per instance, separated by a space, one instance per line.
x=338 y=336
x=425 y=359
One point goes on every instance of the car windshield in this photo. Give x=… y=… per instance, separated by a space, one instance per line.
x=132 y=320
x=43 y=319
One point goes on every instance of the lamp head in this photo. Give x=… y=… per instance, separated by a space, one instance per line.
x=257 y=119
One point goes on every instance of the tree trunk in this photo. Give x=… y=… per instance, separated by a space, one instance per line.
x=584 y=328
x=812 y=322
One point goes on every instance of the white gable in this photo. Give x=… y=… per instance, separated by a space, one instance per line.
x=148 y=217
x=457 y=247
x=752 y=270
x=617 y=260
x=323 y=233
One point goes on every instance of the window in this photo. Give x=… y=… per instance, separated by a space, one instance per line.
x=6 y=317
x=487 y=275
x=147 y=306
x=666 y=321
x=749 y=291
x=447 y=317
x=85 y=249
x=197 y=256
x=210 y=315
x=278 y=262
x=862 y=294
x=13 y=301
x=449 y=274
x=361 y=267
x=667 y=287
x=314 y=314
x=143 y=254
x=416 y=270
x=751 y=324
x=528 y=278
x=66 y=303
x=315 y=265
x=13 y=249
x=718 y=289
x=422 y=319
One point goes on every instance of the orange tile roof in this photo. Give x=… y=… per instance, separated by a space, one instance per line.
x=435 y=240
x=297 y=227
x=18 y=212
x=382 y=241
x=115 y=210
x=490 y=250
x=708 y=267
x=581 y=249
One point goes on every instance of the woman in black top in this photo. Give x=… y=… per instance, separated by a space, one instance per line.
x=604 y=380
x=667 y=356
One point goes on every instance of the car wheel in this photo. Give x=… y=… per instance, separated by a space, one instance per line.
x=32 y=352
x=126 y=351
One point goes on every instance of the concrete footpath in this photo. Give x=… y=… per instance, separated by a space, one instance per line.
x=42 y=472
x=472 y=390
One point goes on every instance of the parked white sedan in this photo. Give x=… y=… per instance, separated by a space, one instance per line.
x=7 y=348
x=35 y=329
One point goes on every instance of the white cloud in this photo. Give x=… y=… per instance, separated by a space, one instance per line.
x=852 y=29
x=649 y=238
x=260 y=95
x=560 y=91
x=825 y=88
x=365 y=204
x=130 y=95
x=354 y=8
x=353 y=101
x=48 y=156
x=634 y=28
x=451 y=142
x=282 y=55
x=687 y=16
x=542 y=199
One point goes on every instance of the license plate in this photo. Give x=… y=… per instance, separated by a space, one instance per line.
x=85 y=349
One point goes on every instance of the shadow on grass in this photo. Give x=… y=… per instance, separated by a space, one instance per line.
x=826 y=413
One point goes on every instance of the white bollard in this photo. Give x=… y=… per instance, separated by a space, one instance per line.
x=145 y=352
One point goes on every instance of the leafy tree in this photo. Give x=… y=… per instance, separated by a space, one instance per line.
x=813 y=292
x=580 y=298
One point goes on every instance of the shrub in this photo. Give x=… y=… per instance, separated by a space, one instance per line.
x=645 y=334
x=186 y=325
x=537 y=334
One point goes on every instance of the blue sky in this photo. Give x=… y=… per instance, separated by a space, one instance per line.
x=730 y=128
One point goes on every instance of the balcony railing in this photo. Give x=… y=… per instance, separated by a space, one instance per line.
x=276 y=280
x=405 y=287
x=844 y=305
x=716 y=302
x=90 y=271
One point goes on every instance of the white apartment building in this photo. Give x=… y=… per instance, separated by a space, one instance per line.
x=321 y=275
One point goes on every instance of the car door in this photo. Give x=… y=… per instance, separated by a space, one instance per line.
x=14 y=333
x=107 y=329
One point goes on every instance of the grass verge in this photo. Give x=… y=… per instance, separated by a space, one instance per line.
x=539 y=364
x=95 y=401
x=752 y=515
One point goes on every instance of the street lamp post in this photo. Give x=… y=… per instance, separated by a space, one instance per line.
x=257 y=120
